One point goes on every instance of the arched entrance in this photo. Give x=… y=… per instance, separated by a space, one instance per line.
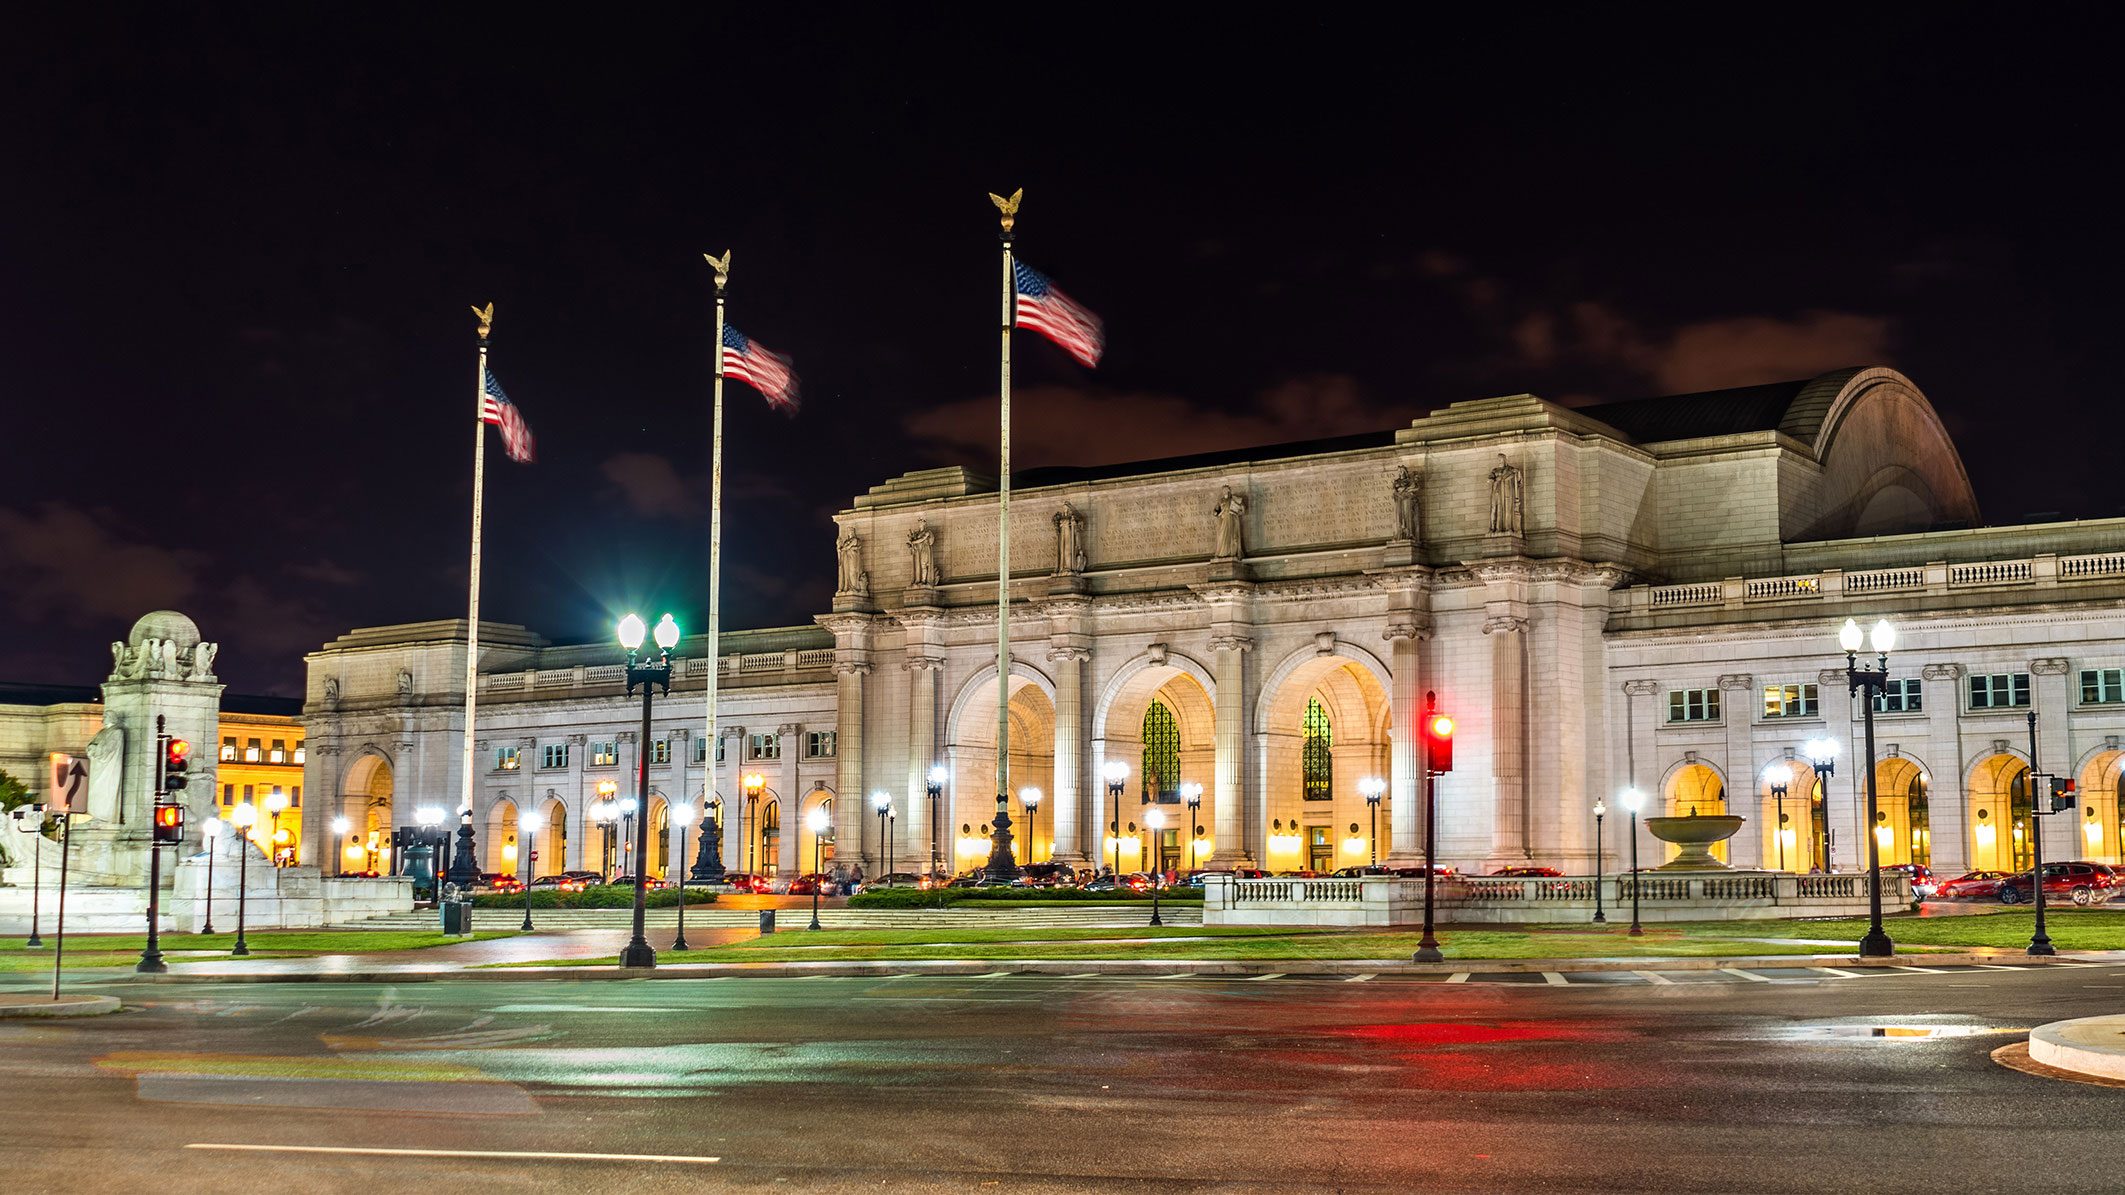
x=499 y=846
x=1323 y=730
x=367 y=795
x=770 y=838
x=552 y=841
x=1798 y=840
x=1999 y=820
x=1903 y=821
x=1158 y=720
x=971 y=754
x=2099 y=785
x=816 y=852
x=659 y=836
x=1698 y=789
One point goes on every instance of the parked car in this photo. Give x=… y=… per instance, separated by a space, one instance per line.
x=1971 y=885
x=653 y=885
x=1923 y=884
x=500 y=881
x=1194 y=879
x=583 y=879
x=745 y=881
x=1523 y=871
x=1046 y=875
x=1135 y=881
x=809 y=885
x=1417 y=873
x=2080 y=882
x=557 y=883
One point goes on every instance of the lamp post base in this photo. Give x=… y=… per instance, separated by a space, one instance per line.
x=1429 y=954
x=2042 y=948
x=638 y=954
x=1876 y=945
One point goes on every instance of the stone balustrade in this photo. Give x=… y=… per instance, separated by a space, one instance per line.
x=780 y=664
x=1389 y=900
x=1833 y=584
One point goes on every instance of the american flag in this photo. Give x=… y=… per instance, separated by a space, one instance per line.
x=763 y=370
x=1048 y=311
x=496 y=408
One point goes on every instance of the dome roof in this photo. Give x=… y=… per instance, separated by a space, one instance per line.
x=165 y=624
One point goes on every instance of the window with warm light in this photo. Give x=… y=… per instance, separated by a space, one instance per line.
x=507 y=759
x=1999 y=690
x=1693 y=705
x=1790 y=701
x=299 y=753
x=660 y=751
x=1161 y=763
x=604 y=753
x=763 y=746
x=228 y=750
x=278 y=752
x=819 y=744
x=252 y=750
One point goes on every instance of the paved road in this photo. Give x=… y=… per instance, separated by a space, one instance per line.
x=1774 y=1083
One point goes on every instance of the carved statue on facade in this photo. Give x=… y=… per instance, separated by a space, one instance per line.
x=405 y=684
x=166 y=658
x=203 y=661
x=1069 y=539
x=1230 y=544
x=922 y=552
x=848 y=552
x=331 y=690
x=1409 y=520
x=123 y=661
x=1508 y=500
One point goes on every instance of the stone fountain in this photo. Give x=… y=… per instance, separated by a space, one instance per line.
x=1695 y=834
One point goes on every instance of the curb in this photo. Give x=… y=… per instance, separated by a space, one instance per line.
x=23 y=1007
x=2093 y=1046
x=961 y=968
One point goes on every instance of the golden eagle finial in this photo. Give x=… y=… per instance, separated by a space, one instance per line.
x=486 y=315
x=1009 y=207
x=721 y=265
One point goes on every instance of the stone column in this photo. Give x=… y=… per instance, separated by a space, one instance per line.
x=796 y=836
x=1948 y=801
x=922 y=756
x=726 y=780
x=1405 y=770
x=1229 y=652
x=1508 y=736
x=2051 y=695
x=1065 y=799
x=1642 y=767
x=1744 y=792
x=852 y=663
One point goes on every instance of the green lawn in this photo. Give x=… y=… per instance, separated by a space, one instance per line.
x=123 y=950
x=2006 y=929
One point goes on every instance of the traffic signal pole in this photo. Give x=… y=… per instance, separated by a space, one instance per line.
x=1428 y=945
x=151 y=957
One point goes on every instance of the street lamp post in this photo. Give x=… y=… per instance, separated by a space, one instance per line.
x=816 y=822
x=1192 y=797
x=34 y=813
x=882 y=801
x=1600 y=811
x=605 y=812
x=243 y=817
x=1373 y=788
x=934 y=786
x=2038 y=785
x=683 y=813
x=1030 y=798
x=708 y=862
x=1869 y=681
x=1154 y=823
x=210 y=831
x=628 y=805
x=1117 y=774
x=1780 y=777
x=1822 y=756
x=527 y=824
x=1438 y=728
x=1633 y=801
x=651 y=675
x=276 y=804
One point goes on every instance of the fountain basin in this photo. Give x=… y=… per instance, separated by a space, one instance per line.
x=1695 y=835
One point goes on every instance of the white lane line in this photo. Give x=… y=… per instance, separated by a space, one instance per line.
x=549 y=1155
x=1997 y=967
x=1458 y=977
x=1922 y=970
x=1555 y=980
x=1841 y=974
x=1361 y=978
x=1736 y=971
x=1653 y=977
x=1270 y=975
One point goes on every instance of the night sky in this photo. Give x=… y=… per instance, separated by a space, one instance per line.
x=237 y=251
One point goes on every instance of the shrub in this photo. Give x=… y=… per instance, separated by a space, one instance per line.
x=603 y=896
x=938 y=898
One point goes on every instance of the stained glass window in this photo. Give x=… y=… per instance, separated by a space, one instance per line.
x=1162 y=754
x=1316 y=760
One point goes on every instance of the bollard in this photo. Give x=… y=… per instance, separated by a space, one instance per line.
x=767 y=921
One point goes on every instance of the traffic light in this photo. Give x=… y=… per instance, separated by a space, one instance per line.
x=176 y=764
x=1438 y=741
x=169 y=825
x=2062 y=791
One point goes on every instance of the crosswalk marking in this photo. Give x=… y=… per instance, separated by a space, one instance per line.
x=1555 y=980
x=1653 y=977
x=1840 y=973
x=1270 y=975
x=1744 y=974
x=1458 y=977
x=1361 y=978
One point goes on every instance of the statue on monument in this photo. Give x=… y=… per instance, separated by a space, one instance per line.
x=1409 y=520
x=1069 y=539
x=405 y=684
x=166 y=659
x=922 y=550
x=1229 y=544
x=850 y=575
x=1508 y=502
x=106 y=761
x=203 y=661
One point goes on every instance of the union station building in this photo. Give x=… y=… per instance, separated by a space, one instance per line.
x=1643 y=594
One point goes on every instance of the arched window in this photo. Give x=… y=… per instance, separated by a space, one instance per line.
x=1316 y=759
x=1162 y=754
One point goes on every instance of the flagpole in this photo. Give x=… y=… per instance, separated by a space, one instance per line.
x=472 y=605
x=1002 y=864
x=715 y=544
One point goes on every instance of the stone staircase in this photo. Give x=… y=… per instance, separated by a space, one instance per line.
x=797 y=917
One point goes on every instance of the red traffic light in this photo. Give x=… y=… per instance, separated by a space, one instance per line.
x=180 y=750
x=1438 y=741
x=169 y=824
x=176 y=763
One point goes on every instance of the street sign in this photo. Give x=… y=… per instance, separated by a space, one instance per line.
x=70 y=784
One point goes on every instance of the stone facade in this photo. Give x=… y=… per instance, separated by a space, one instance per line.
x=1554 y=575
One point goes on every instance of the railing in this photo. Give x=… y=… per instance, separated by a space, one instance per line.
x=811 y=659
x=763 y=662
x=1832 y=584
x=1848 y=885
x=1259 y=891
x=818 y=657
